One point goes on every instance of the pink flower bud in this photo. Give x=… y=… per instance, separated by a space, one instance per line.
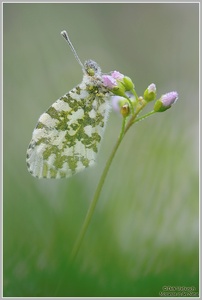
x=165 y=101
x=169 y=99
x=150 y=92
x=152 y=88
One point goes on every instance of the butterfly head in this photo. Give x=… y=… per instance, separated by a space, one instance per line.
x=92 y=68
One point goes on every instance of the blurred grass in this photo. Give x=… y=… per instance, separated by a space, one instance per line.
x=144 y=234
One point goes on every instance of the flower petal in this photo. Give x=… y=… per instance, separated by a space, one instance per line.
x=109 y=81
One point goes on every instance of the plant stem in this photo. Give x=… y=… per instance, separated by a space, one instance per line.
x=95 y=199
x=92 y=206
x=132 y=120
x=145 y=116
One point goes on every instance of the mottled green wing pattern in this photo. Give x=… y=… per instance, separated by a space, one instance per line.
x=68 y=135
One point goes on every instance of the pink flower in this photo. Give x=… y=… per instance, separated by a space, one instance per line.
x=117 y=75
x=109 y=81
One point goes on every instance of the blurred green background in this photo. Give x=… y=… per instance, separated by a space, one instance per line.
x=144 y=232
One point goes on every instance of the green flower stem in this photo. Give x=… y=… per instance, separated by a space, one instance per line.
x=135 y=94
x=92 y=206
x=131 y=121
x=145 y=116
x=95 y=199
x=122 y=128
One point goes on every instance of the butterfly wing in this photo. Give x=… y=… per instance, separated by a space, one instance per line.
x=68 y=135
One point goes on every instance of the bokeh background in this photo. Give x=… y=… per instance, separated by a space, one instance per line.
x=144 y=233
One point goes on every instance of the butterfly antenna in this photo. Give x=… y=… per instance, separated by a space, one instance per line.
x=66 y=37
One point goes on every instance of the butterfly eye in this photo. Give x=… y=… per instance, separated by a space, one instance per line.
x=91 y=72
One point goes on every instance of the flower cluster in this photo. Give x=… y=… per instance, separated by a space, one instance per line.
x=126 y=100
x=118 y=83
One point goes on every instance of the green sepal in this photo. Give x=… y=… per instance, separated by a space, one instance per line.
x=128 y=84
x=158 y=106
x=149 y=96
x=119 y=89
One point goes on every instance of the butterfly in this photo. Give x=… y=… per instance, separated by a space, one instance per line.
x=67 y=136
